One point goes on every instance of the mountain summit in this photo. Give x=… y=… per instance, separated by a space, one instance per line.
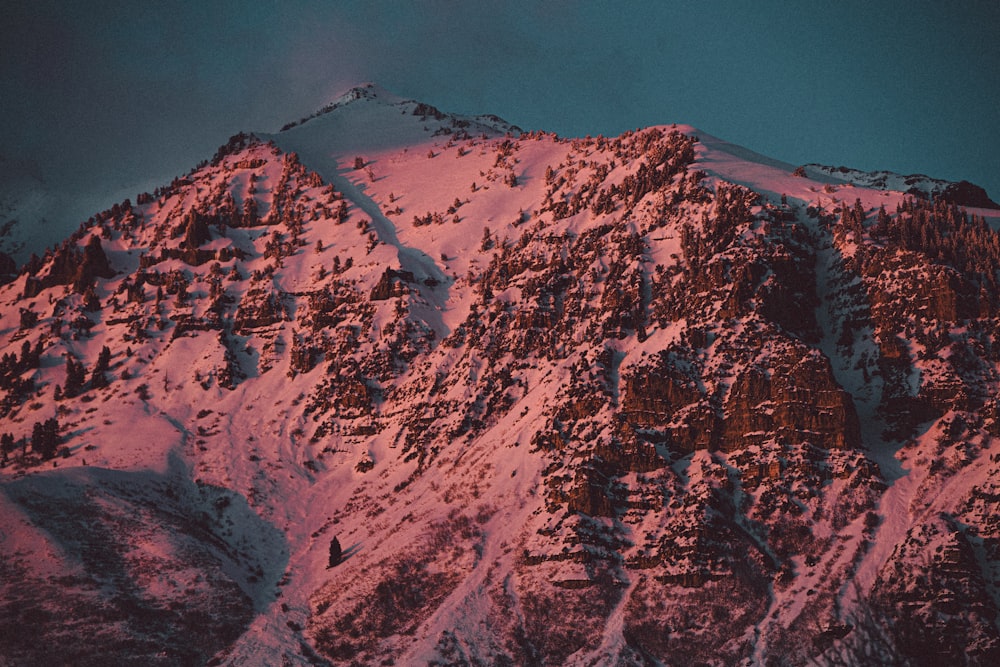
x=395 y=386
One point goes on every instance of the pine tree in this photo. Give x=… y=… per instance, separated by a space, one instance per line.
x=97 y=378
x=7 y=445
x=90 y=301
x=335 y=553
x=250 y=216
x=76 y=375
x=45 y=438
x=487 y=242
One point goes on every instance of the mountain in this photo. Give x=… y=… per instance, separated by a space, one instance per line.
x=394 y=386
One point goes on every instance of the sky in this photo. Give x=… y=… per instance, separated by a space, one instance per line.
x=99 y=101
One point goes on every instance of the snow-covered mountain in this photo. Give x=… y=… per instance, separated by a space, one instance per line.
x=648 y=399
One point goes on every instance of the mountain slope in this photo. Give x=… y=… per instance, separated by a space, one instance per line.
x=708 y=409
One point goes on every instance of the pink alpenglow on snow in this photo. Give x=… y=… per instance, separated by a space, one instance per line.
x=394 y=384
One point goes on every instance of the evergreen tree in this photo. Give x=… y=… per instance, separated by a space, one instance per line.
x=335 y=553
x=37 y=438
x=76 y=375
x=45 y=438
x=250 y=216
x=25 y=361
x=487 y=242
x=90 y=301
x=6 y=446
x=104 y=359
x=97 y=377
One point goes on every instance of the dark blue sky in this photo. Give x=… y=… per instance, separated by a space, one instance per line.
x=118 y=98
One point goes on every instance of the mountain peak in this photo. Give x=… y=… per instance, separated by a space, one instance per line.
x=369 y=91
x=364 y=91
x=372 y=101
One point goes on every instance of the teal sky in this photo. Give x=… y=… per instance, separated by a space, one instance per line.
x=126 y=95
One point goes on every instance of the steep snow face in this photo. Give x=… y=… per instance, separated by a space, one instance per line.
x=707 y=408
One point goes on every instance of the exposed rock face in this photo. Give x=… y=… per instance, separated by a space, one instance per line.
x=652 y=395
x=969 y=194
x=93 y=265
x=71 y=266
x=795 y=402
x=391 y=284
x=258 y=309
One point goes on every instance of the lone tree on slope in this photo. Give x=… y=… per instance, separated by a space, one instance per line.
x=335 y=553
